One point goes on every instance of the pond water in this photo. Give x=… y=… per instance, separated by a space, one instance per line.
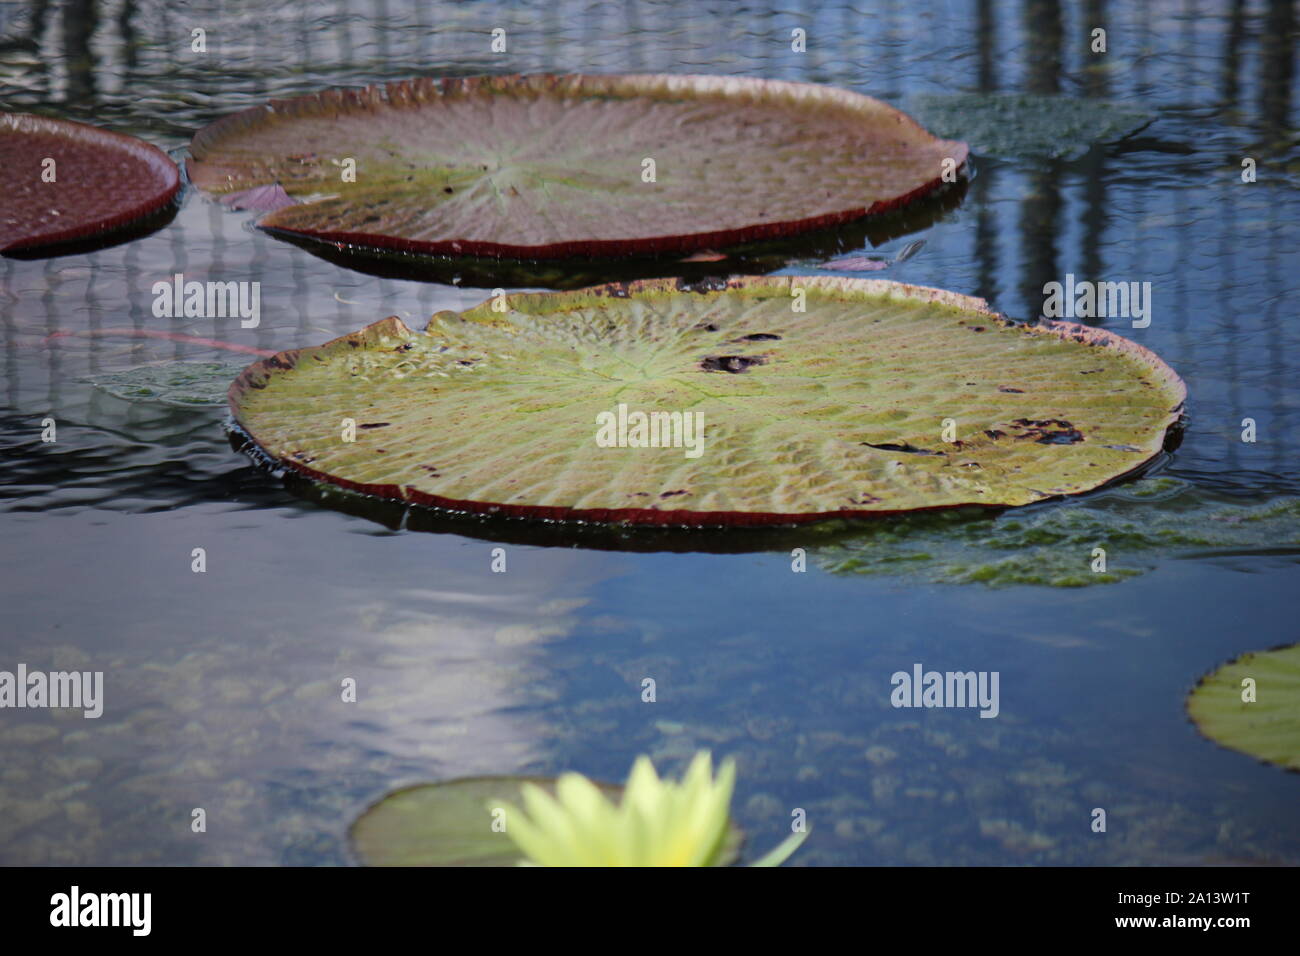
x=222 y=689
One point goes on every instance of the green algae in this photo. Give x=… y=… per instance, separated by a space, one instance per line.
x=1055 y=545
x=180 y=384
x=1024 y=126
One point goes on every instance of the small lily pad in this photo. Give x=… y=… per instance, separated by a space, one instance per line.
x=67 y=181
x=184 y=384
x=1266 y=727
x=838 y=410
x=552 y=167
x=450 y=824
x=1025 y=126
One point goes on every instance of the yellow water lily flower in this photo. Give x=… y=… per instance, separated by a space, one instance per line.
x=657 y=822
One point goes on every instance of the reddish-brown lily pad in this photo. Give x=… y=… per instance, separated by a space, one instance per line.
x=776 y=400
x=98 y=181
x=544 y=167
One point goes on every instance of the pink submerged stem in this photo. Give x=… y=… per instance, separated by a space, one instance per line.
x=169 y=336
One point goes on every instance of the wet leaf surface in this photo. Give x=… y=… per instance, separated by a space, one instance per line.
x=555 y=167
x=836 y=411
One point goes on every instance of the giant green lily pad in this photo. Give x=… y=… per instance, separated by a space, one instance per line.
x=67 y=181
x=450 y=824
x=878 y=398
x=1027 y=126
x=545 y=167
x=1267 y=727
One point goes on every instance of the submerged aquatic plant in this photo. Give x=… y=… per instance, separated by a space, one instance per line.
x=656 y=823
x=183 y=384
x=1138 y=526
x=1021 y=126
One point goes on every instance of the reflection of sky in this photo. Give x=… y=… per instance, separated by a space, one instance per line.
x=222 y=683
x=222 y=688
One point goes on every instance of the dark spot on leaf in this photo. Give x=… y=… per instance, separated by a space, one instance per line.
x=1049 y=431
x=706 y=327
x=1008 y=388
x=1121 y=447
x=731 y=363
x=404 y=347
x=374 y=425
x=900 y=446
x=706 y=284
x=977 y=328
x=760 y=337
x=1174 y=436
x=670 y=494
x=1069 y=436
x=994 y=433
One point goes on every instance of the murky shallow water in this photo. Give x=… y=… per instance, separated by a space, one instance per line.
x=223 y=687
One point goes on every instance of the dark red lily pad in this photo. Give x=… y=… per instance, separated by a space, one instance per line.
x=546 y=167
x=103 y=181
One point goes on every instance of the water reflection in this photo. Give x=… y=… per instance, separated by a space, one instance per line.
x=224 y=686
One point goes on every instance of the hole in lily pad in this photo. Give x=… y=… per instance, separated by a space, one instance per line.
x=542 y=424
x=546 y=167
x=1252 y=705
x=1027 y=126
x=450 y=824
x=68 y=182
